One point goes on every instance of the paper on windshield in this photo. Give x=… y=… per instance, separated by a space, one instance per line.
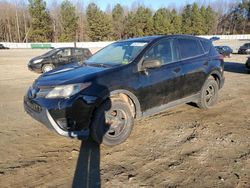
x=138 y=44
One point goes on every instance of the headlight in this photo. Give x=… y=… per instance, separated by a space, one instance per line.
x=63 y=91
x=37 y=61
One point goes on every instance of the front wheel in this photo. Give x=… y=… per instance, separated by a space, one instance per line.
x=209 y=94
x=112 y=122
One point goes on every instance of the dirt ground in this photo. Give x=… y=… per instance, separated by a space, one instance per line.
x=181 y=147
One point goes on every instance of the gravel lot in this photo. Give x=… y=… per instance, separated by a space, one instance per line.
x=181 y=147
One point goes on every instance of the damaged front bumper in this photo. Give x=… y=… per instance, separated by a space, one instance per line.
x=70 y=118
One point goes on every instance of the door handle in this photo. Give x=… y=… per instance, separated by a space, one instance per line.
x=178 y=69
x=206 y=63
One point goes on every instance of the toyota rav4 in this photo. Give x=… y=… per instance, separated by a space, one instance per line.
x=124 y=81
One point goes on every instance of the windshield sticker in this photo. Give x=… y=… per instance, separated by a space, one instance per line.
x=138 y=44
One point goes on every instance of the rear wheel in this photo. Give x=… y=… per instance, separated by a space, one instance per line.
x=209 y=94
x=47 y=67
x=112 y=123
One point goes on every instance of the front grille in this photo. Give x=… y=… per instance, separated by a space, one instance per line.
x=35 y=107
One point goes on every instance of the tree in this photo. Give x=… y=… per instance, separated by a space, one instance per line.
x=118 y=21
x=196 y=20
x=68 y=21
x=139 y=23
x=210 y=20
x=175 y=22
x=162 y=22
x=41 y=27
x=99 y=24
x=187 y=20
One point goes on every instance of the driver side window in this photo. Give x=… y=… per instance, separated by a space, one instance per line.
x=164 y=50
x=64 y=52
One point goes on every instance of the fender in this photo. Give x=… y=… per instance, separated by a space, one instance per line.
x=218 y=75
x=131 y=96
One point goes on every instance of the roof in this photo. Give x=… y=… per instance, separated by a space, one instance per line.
x=154 y=37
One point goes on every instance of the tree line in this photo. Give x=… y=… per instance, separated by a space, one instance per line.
x=68 y=22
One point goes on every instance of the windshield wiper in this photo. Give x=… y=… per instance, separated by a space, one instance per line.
x=98 y=65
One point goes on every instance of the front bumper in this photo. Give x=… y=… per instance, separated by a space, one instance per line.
x=50 y=117
x=35 y=67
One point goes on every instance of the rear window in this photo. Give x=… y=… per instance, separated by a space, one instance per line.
x=206 y=45
x=189 y=48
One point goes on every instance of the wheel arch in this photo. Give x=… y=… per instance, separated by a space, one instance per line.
x=216 y=74
x=128 y=97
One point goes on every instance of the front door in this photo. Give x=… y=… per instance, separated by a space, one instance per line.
x=63 y=56
x=163 y=84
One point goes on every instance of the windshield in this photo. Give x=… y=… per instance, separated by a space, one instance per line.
x=50 y=52
x=118 y=53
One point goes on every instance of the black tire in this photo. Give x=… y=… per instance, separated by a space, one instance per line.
x=47 y=67
x=209 y=94
x=112 y=123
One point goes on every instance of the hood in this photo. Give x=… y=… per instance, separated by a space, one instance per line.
x=68 y=75
x=38 y=57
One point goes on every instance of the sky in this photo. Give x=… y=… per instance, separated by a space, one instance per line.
x=153 y=4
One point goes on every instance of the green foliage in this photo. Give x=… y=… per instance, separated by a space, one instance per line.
x=139 y=23
x=162 y=22
x=210 y=20
x=99 y=24
x=187 y=20
x=196 y=20
x=41 y=29
x=68 y=21
x=175 y=22
x=118 y=19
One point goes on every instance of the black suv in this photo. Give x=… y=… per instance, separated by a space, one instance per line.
x=58 y=57
x=244 y=49
x=124 y=81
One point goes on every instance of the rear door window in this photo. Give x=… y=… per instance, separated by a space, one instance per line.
x=78 y=52
x=166 y=50
x=189 y=48
x=206 y=45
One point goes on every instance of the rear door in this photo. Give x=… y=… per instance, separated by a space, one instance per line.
x=163 y=84
x=194 y=64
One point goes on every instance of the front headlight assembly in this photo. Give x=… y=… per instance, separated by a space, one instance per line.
x=37 y=61
x=62 y=91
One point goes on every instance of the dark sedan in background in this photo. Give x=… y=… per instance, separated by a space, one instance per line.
x=58 y=57
x=3 y=47
x=226 y=51
x=244 y=49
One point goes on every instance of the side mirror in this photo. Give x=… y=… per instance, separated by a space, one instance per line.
x=151 y=63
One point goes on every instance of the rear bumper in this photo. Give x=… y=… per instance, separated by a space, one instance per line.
x=248 y=64
x=222 y=81
x=50 y=118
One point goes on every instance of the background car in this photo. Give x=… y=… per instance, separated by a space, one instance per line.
x=248 y=65
x=58 y=57
x=226 y=51
x=3 y=47
x=244 y=49
x=214 y=38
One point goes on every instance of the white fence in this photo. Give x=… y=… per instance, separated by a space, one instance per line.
x=103 y=44
x=60 y=44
